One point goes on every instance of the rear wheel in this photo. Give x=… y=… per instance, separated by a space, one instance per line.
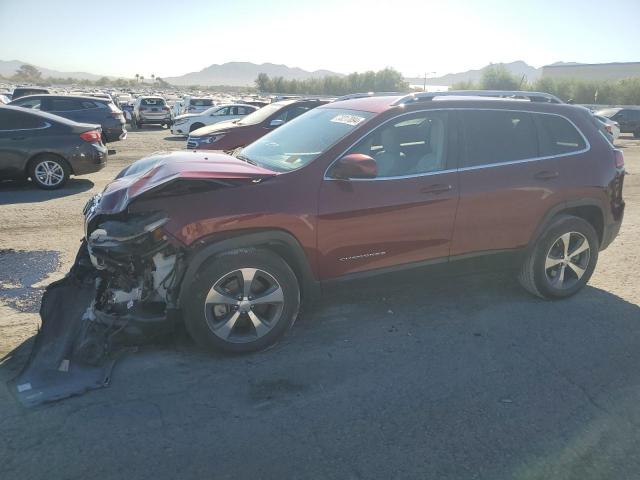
x=49 y=172
x=241 y=301
x=562 y=260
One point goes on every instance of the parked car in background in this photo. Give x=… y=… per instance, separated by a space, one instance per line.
x=238 y=133
x=611 y=127
x=80 y=109
x=183 y=124
x=151 y=111
x=196 y=104
x=47 y=148
x=24 y=91
x=350 y=189
x=628 y=119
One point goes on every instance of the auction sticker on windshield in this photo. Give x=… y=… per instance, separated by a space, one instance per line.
x=352 y=120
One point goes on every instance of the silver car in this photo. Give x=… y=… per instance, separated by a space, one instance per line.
x=151 y=110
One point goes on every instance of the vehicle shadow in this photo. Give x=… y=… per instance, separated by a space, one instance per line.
x=470 y=362
x=12 y=192
x=175 y=139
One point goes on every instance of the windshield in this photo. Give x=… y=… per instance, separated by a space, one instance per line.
x=261 y=114
x=152 y=102
x=303 y=139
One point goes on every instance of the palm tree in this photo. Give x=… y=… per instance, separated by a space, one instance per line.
x=153 y=78
x=142 y=78
x=137 y=78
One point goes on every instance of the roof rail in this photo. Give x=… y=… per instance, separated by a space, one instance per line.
x=351 y=96
x=427 y=96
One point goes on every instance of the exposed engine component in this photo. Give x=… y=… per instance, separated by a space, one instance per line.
x=122 y=290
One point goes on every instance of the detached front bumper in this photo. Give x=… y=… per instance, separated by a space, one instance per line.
x=121 y=291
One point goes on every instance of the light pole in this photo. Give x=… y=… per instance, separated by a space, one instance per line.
x=424 y=87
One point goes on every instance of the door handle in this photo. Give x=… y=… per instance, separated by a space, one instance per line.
x=546 y=175
x=436 y=189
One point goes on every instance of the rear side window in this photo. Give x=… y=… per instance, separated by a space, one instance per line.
x=496 y=136
x=10 y=120
x=64 y=105
x=558 y=136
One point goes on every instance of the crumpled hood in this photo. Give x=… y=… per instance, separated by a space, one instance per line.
x=219 y=127
x=156 y=170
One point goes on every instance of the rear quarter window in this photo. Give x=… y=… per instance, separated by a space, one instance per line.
x=558 y=136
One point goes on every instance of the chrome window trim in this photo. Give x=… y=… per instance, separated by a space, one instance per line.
x=46 y=125
x=463 y=169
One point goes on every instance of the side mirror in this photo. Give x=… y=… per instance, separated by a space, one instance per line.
x=276 y=123
x=355 y=165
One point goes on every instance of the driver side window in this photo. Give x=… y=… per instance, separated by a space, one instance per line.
x=409 y=145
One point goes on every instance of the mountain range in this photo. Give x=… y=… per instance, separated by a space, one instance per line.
x=245 y=73
x=518 y=68
x=8 y=68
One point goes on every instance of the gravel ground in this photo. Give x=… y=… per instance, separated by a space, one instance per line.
x=461 y=377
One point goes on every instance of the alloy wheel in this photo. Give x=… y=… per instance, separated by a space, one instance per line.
x=49 y=173
x=567 y=260
x=244 y=305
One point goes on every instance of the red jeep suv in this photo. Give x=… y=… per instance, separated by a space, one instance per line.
x=357 y=186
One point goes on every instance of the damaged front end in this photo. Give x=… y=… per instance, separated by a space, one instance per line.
x=122 y=290
x=124 y=286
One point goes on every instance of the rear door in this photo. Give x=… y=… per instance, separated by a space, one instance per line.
x=16 y=138
x=70 y=108
x=406 y=214
x=506 y=184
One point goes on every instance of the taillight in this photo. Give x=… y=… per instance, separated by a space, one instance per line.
x=92 y=136
x=166 y=109
x=609 y=129
x=619 y=158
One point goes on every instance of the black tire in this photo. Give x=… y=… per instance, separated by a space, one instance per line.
x=538 y=279
x=195 y=126
x=199 y=318
x=58 y=164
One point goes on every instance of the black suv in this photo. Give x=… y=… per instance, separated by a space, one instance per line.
x=628 y=118
x=80 y=109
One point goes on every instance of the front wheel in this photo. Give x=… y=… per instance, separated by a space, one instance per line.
x=241 y=301
x=562 y=260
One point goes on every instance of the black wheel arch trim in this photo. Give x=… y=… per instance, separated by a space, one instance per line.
x=269 y=239
x=33 y=156
x=562 y=207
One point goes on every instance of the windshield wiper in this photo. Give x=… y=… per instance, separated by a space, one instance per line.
x=246 y=159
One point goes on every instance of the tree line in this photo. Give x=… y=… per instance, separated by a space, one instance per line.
x=386 y=80
x=602 y=92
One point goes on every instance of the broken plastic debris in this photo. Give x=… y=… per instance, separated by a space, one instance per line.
x=24 y=387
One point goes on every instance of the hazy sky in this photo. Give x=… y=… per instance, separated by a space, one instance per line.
x=169 y=38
